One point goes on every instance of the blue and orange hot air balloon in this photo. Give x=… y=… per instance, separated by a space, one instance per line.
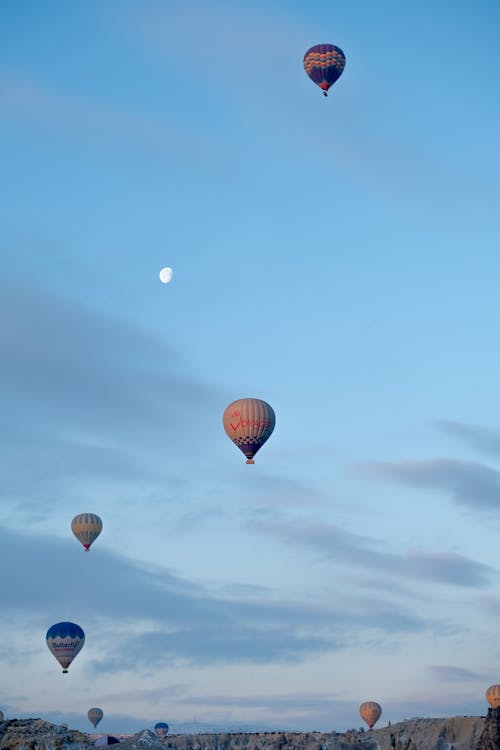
x=86 y=527
x=324 y=64
x=161 y=729
x=249 y=422
x=65 y=640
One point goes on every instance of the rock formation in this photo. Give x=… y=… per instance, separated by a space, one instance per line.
x=36 y=734
x=145 y=740
x=490 y=736
x=458 y=733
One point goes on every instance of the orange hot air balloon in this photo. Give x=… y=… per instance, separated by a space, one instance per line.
x=493 y=696
x=370 y=712
x=86 y=527
x=249 y=422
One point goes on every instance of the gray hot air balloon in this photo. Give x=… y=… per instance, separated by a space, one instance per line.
x=95 y=715
x=86 y=527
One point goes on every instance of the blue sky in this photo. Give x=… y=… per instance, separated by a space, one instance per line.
x=336 y=257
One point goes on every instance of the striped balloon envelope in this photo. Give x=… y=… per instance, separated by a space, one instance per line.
x=86 y=527
x=249 y=422
x=95 y=715
x=324 y=64
x=370 y=711
x=493 y=696
x=65 y=640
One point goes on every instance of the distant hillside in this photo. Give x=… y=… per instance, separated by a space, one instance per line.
x=459 y=733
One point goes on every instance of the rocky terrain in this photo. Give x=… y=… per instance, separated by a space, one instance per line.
x=458 y=733
x=36 y=734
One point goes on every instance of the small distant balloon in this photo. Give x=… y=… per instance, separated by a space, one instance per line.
x=370 y=711
x=493 y=696
x=95 y=715
x=324 y=64
x=161 y=729
x=86 y=527
x=65 y=640
x=166 y=275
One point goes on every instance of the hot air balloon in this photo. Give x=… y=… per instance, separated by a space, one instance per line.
x=161 y=729
x=95 y=715
x=249 y=422
x=86 y=527
x=370 y=712
x=65 y=640
x=324 y=63
x=493 y=696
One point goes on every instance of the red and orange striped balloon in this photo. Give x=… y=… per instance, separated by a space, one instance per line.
x=324 y=64
x=370 y=711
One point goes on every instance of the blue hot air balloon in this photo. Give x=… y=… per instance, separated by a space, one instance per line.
x=161 y=729
x=65 y=640
x=324 y=64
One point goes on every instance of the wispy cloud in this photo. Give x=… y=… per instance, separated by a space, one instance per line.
x=90 y=400
x=446 y=673
x=490 y=605
x=333 y=543
x=468 y=483
x=482 y=439
x=153 y=614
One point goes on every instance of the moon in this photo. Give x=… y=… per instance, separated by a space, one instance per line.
x=165 y=275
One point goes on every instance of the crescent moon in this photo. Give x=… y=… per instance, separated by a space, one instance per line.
x=165 y=275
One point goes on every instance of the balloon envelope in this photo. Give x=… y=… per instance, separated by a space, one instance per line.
x=370 y=712
x=65 y=640
x=86 y=527
x=324 y=64
x=161 y=729
x=493 y=696
x=249 y=422
x=95 y=715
